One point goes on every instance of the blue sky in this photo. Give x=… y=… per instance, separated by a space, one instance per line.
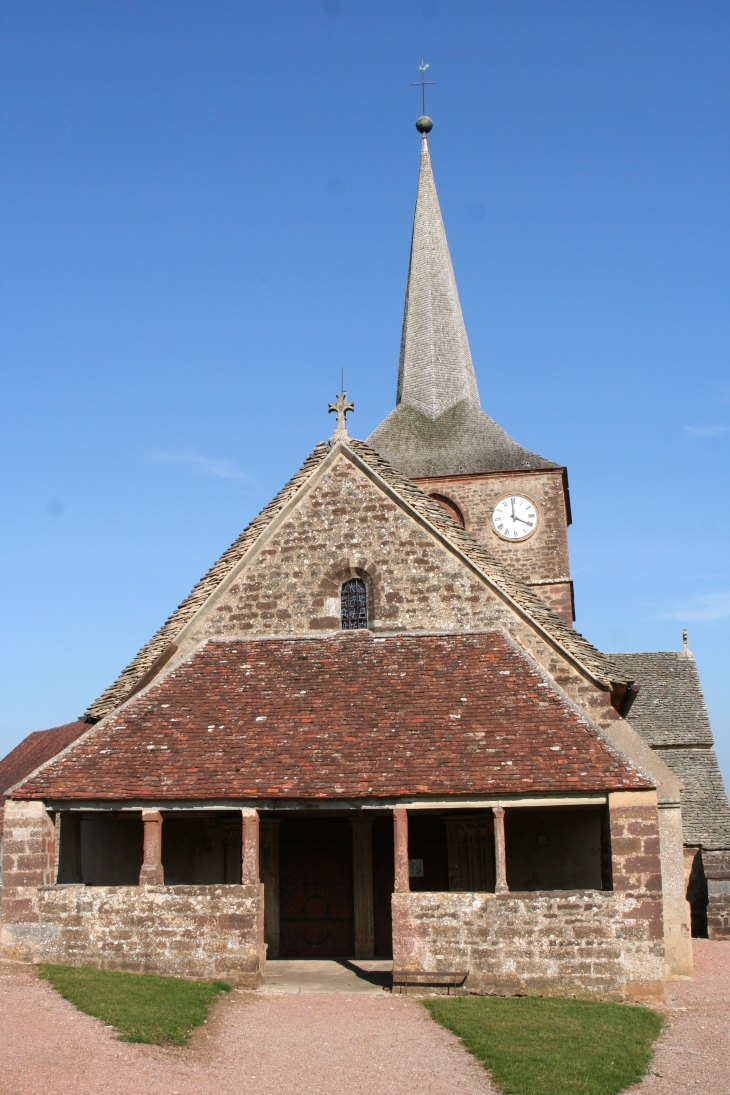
x=206 y=214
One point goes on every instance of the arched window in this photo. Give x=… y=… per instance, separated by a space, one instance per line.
x=450 y=507
x=354 y=604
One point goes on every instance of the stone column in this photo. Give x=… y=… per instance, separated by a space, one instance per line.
x=500 y=854
x=362 y=875
x=400 y=847
x=152 y=873
x=270 y=879
x=250 y=847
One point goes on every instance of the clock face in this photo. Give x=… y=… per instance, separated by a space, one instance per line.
x=514 y=518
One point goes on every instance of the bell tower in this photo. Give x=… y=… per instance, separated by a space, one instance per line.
x=513 y=501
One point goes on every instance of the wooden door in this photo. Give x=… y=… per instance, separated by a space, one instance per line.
x=316 y=890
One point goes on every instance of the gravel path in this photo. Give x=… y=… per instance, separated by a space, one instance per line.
x=693 y=1053
x=288 y=1044
x=320 y=1044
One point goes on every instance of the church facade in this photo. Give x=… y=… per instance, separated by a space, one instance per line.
x=372 y=730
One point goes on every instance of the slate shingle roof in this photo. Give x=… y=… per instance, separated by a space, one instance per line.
x=353 y=715
x=669 y=708
x=670 y=713
x=435 y=370
x=598 y=665
x=462 y=441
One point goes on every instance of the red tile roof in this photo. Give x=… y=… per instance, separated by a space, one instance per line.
x=37 y=748
x=33 y=751
x=348 y=716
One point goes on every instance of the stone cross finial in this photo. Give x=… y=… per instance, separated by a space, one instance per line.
x=341 y=407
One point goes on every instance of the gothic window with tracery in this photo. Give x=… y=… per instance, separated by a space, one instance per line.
x=354 y=604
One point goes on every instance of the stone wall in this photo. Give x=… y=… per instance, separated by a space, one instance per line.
x=584 y=943
x=590 y=943
x=179 y=931
x=344 y=525
x=29 y=845
x=717 y=873
x=544 y=557
x=707 y=886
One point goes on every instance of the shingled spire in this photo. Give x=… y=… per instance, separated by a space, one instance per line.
x=435 y=370
x=438 y=426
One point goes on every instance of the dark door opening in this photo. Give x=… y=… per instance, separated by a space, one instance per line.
x=316 y=890
x=383 y=885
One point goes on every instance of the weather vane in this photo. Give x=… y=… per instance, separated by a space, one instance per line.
x=422 y=83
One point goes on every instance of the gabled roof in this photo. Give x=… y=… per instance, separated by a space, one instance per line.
x=131 y=677
x=351 y=715
x=554 y=627
x=705 y=809
x=669 y=708
x=35 y=750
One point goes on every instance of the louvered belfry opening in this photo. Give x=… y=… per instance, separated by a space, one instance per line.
x=354 y=605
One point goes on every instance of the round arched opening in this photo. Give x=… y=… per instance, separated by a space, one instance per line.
x=450 y=507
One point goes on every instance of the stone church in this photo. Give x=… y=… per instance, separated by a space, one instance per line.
x=371 y=730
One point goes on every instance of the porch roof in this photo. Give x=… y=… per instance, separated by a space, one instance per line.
x=349 y=716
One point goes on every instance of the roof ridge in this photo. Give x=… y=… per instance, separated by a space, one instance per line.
x=119 y=690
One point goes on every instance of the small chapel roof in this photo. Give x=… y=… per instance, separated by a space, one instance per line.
x=438 y=426
x=352 y=715
x=669 y=712
x=155 y=653
x=669 y=708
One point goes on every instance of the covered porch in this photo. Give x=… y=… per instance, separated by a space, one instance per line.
x=512 y=894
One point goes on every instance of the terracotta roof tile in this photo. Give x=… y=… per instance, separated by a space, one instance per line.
x=36 y=749
x=347 y=716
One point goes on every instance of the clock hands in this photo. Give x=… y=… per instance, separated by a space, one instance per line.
x=511 y=518
x=516 y=518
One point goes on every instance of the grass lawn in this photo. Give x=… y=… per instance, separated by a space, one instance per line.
x=162 y=1010
x=535 y=1046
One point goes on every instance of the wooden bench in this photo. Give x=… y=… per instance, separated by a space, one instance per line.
x=451 y=980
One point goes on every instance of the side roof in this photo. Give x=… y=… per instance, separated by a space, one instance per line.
x=142 y=669
x=35 y=750
x=669 y=708
x=669 y=712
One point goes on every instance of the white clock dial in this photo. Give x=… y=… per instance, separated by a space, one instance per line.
x=514 y=518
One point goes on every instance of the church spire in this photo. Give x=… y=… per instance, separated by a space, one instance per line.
x=435 y=371
x=437 y=426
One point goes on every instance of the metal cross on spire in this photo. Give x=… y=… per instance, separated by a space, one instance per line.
x=423 y=83
x=341 y=408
